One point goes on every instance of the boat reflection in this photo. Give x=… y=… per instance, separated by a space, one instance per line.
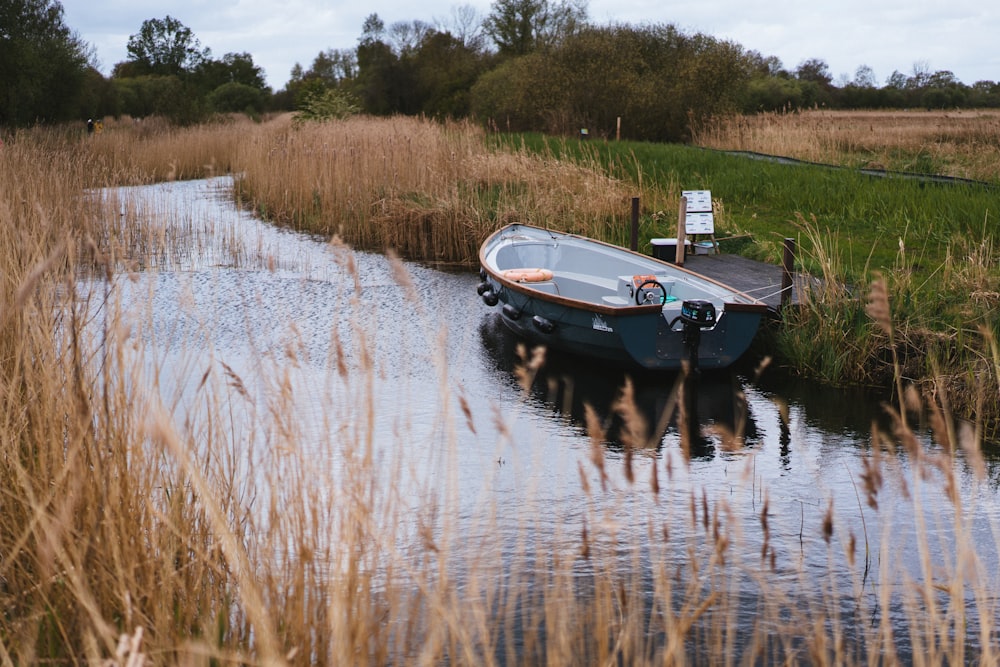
x=707 y=410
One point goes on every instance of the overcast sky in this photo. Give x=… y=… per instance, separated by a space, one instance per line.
x=962 y=36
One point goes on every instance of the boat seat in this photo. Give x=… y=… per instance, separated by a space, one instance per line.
x=607 y=284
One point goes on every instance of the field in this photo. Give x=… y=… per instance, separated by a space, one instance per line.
x=130 y=527
x=957 y=143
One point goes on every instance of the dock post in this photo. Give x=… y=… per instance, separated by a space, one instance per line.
x=681 y=231
x=787 y=266
x=635 y=224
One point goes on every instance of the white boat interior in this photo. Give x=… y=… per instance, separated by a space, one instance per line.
x=581 y=269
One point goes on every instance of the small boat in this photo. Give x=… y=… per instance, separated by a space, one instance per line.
x=605 y=302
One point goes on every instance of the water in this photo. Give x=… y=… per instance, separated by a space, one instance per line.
x=273 y=313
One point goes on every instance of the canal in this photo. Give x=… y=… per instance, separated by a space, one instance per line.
x=338 y=353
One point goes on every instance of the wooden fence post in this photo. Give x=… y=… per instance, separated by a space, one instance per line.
x=634 y=244
x=681 y=230
x=787 y=267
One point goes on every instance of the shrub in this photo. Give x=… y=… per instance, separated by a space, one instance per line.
x=236 y=97
x=327 y=104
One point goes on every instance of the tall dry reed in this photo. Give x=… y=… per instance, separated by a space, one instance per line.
x=429 y=191
x=50 y=528
x=137 y=151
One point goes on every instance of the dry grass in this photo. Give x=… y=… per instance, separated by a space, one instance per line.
x=429 y=191
x=958 y=143
x=139 y=527
x=132 y=152
x=98 y=534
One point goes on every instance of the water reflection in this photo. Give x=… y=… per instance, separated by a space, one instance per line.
x=695 y=405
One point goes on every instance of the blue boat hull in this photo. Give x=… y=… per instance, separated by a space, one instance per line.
x=586 y=297
x=642 y=340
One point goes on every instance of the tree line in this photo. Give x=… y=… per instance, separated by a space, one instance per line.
x=527 y=65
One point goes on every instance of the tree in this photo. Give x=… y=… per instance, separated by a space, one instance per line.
x=815 y=70
x=43 y=65
x=240 y=68
x=921 y=73
x=864 y=77
x=326 y=104
x=765 y=66
x=518 y=27
x=984 y=93
x=167 y=72
x=943 y=79
x=378 y=70
x=943 y=90
x=466 y=26
x=652 y=77
x=331 y=69
x=165 y=47
x=772 y=93
x=372 y=30
x=167 y=96
x=896 y=80
x=235 y=97
x=98 y=97
x=232 y=68
x=444 y=69
x=405 y=37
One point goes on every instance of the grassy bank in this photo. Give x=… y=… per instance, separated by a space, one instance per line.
x=139 y=524
x=932 y=245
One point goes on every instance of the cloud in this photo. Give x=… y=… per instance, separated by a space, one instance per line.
x=891 y=35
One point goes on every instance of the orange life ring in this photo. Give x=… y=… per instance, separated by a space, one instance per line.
x=638 y=280
x=528 y=275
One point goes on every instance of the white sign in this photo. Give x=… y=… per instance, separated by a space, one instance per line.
x=698 y=201
x=699 y=223
x=698 y=218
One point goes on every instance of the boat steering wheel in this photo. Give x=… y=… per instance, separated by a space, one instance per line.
x=644 y=296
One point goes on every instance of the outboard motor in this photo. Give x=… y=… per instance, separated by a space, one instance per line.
x=696 y=314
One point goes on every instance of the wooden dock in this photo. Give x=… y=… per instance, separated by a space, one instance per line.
x=757 y=279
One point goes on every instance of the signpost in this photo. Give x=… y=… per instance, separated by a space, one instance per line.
x=694 y=218
x=698 y=217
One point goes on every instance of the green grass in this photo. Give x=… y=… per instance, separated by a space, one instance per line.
x=867 y=215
